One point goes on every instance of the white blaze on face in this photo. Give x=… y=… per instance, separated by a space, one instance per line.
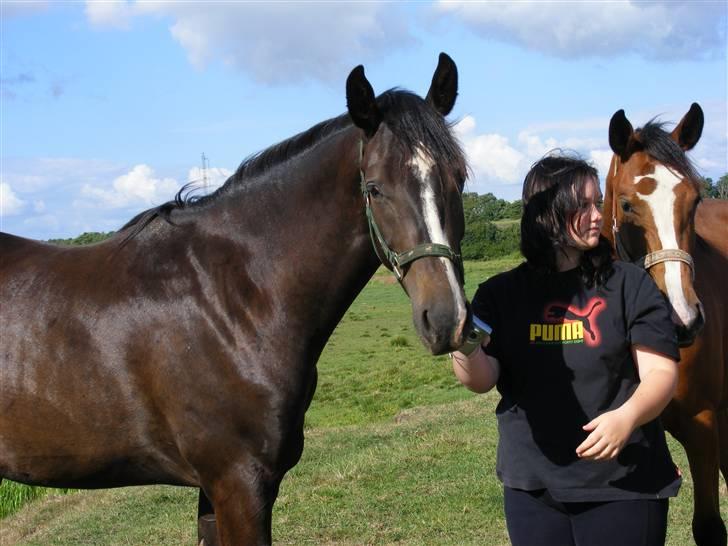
x=422 y=164
x=662 y=204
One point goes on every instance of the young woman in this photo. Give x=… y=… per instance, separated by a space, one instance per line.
x=583 y=354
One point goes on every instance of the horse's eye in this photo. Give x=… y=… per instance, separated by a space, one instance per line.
x=373 y=189
x=627 y=206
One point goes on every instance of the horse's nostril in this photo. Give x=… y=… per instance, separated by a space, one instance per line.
x=425 y=321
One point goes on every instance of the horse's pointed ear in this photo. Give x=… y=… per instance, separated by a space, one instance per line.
x=620 y=131
x=361 y=102
x=444 y=87
x=688 y=131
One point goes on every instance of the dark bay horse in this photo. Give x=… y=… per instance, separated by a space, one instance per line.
x=654 y=216
x=183 y=350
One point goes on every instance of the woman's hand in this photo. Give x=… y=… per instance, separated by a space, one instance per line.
x=609 y=432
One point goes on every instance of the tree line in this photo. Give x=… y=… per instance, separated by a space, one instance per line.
x=715 y=190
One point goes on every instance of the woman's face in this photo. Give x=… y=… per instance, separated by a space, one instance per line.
x=586 y=223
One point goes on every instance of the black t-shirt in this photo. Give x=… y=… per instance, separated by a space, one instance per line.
x=565 y=356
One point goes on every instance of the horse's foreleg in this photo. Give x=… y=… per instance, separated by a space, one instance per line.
x=699 y=436
x=723 y=444
x=243 y=504
x=206 y=524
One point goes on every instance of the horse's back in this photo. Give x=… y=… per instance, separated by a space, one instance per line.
x=17 y=253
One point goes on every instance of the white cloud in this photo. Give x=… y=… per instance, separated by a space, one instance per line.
x=660 y=30
x=601 y=159
x=110 y=14
x=139 y=187
x=499 y=165
x=10 y=205
x=273 y=42
x=490 y=156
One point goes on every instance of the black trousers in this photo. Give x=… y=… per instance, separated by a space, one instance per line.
x=534 y=518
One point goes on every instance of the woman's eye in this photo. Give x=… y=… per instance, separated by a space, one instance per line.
x=586 y=206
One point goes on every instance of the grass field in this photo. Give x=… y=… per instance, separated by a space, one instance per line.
x=396 y=452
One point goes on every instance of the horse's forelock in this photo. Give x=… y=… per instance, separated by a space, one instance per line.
x=659 y=145
x=417 y=125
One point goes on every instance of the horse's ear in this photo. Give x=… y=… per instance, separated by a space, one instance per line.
x=688 y=131
x=620 y=131
x=444 y=86
x=361 y=102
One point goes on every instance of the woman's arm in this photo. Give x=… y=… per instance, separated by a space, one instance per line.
x=477 y=371
x=610 y=431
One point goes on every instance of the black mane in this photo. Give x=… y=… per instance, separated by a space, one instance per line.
x=659 y=144
x=412 y=120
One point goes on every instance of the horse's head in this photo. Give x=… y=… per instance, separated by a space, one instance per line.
x=651 y=196
x=412 y=175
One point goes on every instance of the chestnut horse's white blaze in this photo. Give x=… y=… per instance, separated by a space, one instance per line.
x=662 y=205
x=422 y=164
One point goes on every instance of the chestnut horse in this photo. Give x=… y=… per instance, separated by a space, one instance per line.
x=654 y=216
x=183 y=350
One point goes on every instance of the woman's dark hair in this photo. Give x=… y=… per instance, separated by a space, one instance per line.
x=552 y=193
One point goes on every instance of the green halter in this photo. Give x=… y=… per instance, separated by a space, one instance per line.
x=398 y=261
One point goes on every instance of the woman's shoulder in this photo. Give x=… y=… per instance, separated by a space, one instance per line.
x=632 y=281
x=506 y=278
x=629 y=272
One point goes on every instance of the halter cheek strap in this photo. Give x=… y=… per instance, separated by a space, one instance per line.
x=398 y=261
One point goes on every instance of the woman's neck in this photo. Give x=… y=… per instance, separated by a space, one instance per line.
x=567 y=257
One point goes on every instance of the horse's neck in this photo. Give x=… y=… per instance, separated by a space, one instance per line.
x=711 y=223
x=303 y=231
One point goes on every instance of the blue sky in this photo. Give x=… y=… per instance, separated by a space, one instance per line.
x=107 y=106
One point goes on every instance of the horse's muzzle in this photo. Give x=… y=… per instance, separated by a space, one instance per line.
x=440 y=328
x=686 y=334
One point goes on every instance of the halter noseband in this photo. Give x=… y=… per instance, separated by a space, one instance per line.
x=398 y=261
x=652 y=258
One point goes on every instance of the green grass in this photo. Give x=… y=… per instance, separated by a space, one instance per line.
x=14 y=496
x=502 y=224
x=396 y=452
